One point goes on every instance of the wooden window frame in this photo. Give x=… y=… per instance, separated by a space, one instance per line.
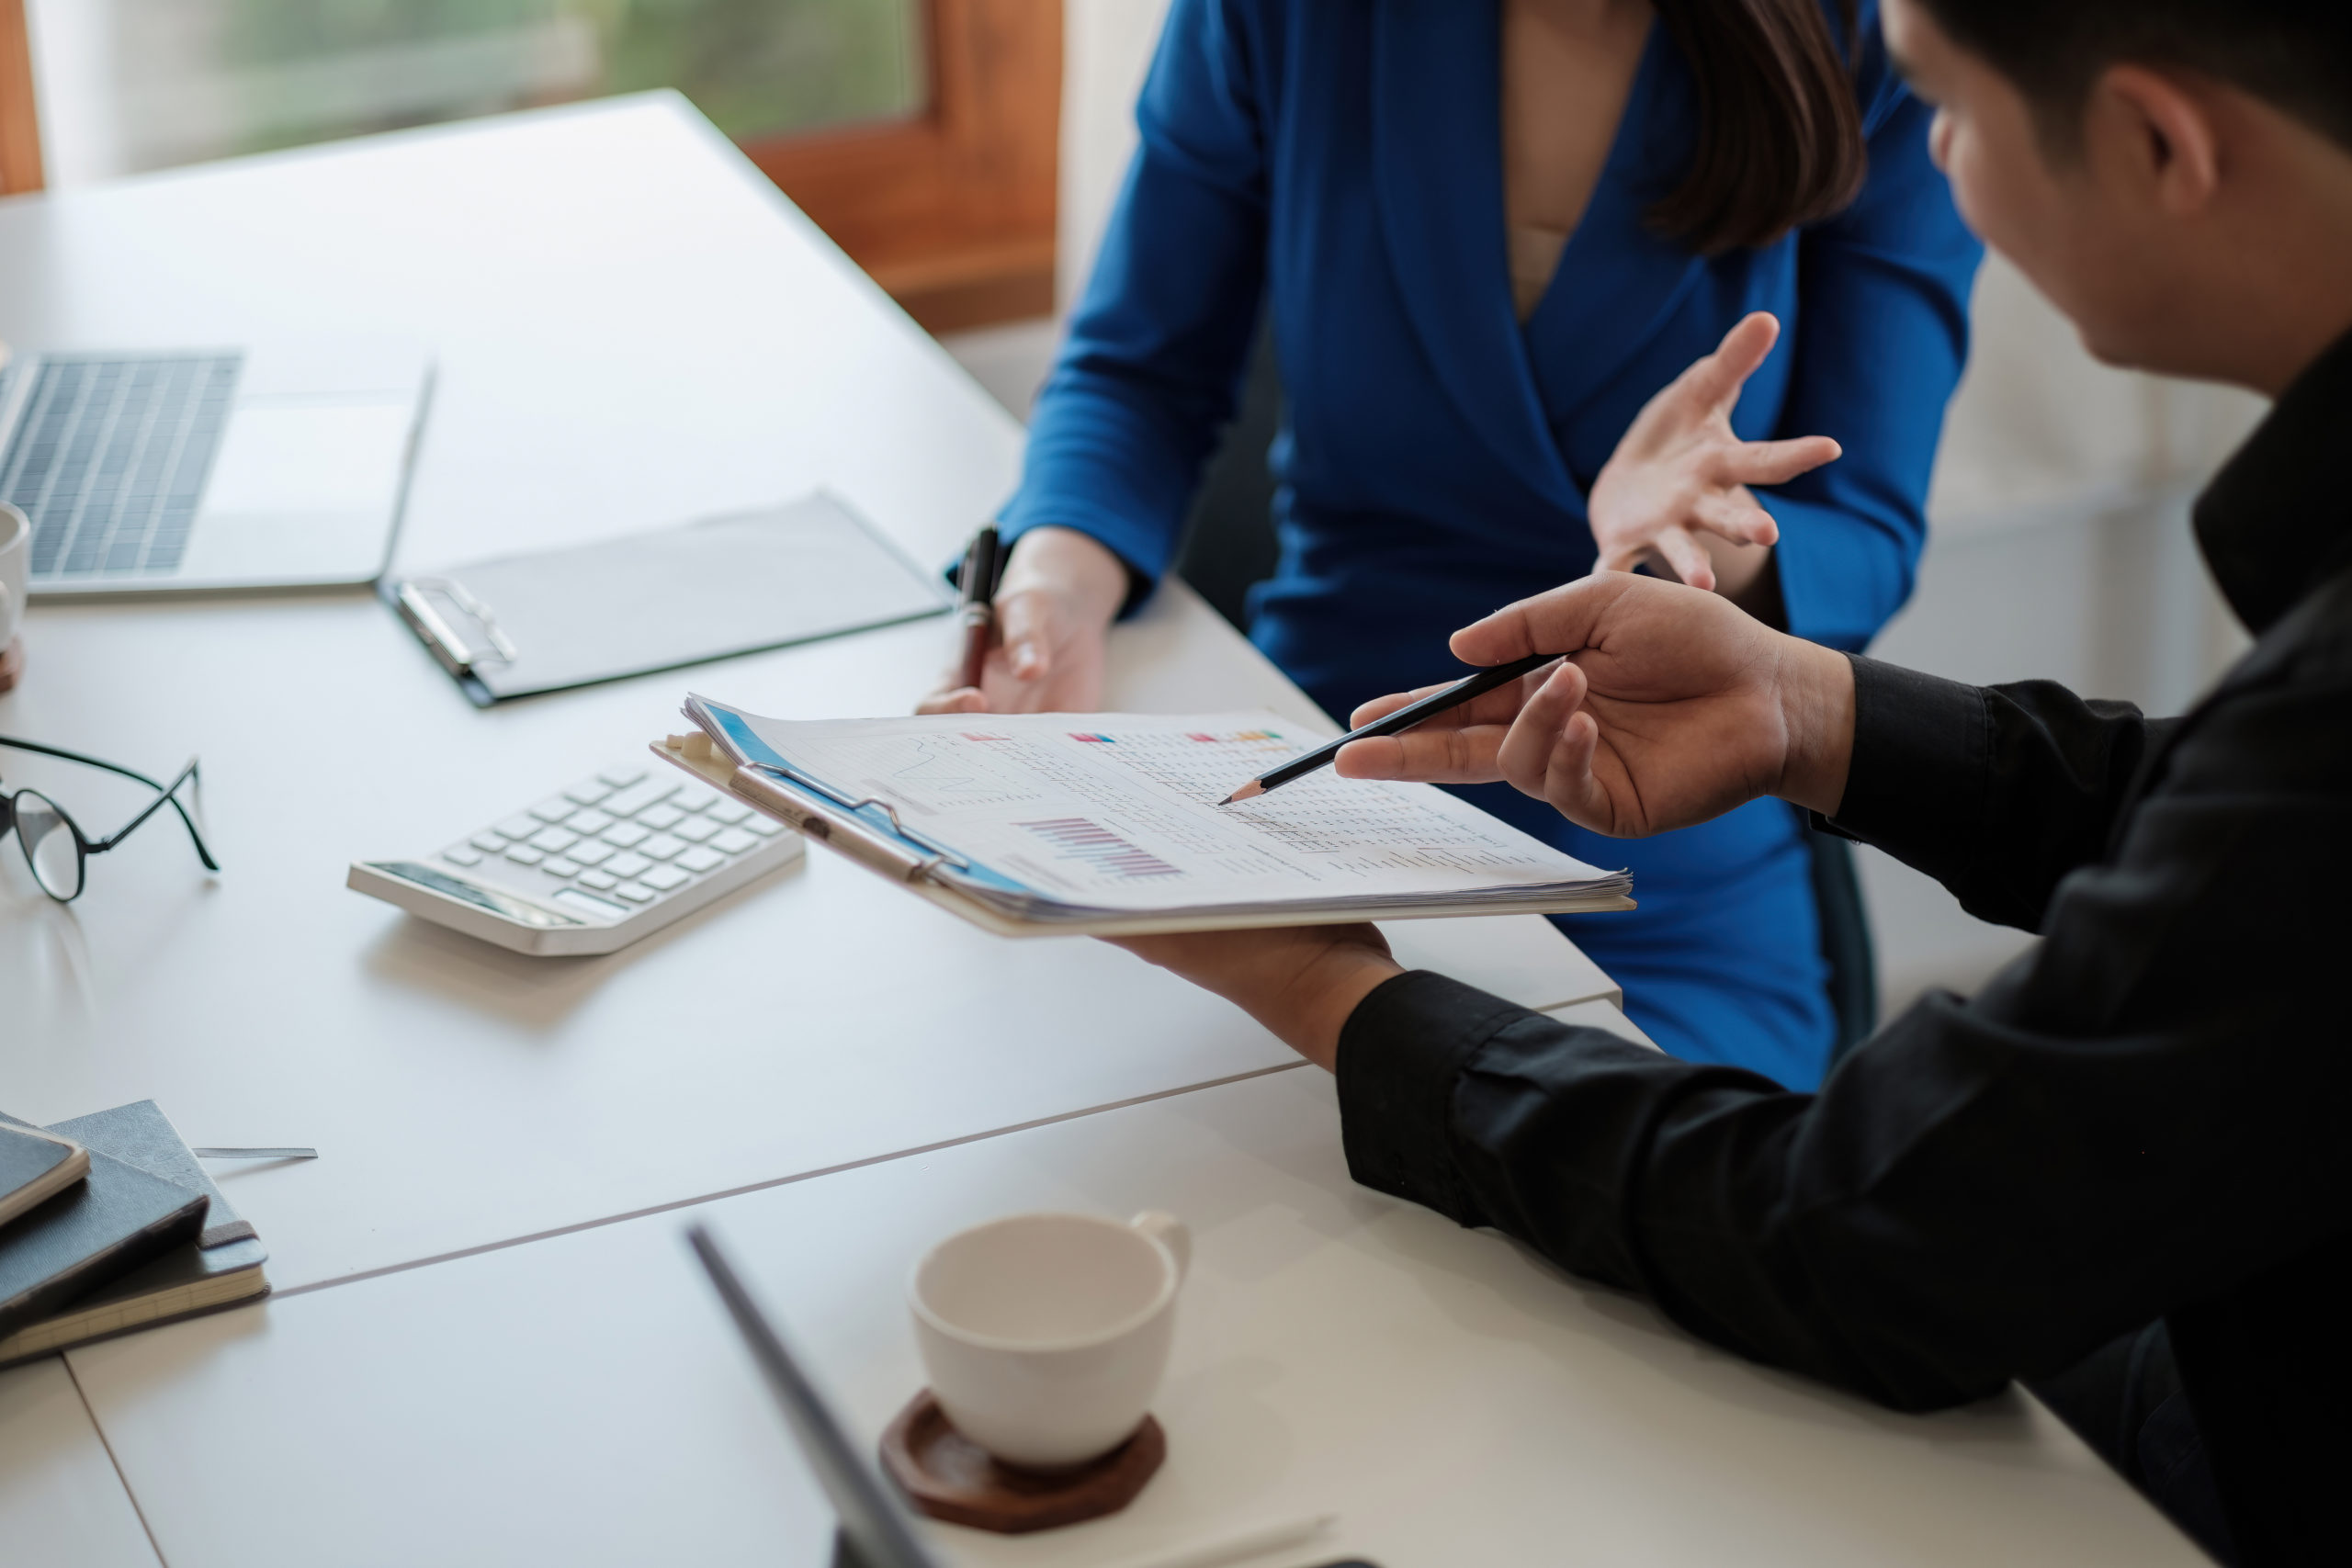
x=951 y=210
x=20 y=168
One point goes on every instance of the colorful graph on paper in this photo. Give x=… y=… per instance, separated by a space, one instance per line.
x=1120 y=811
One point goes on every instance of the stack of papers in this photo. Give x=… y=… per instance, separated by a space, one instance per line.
x=1069 y=819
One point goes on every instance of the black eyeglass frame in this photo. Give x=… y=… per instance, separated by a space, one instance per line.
x=83 y=845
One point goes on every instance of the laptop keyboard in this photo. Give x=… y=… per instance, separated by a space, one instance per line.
x=110 y=457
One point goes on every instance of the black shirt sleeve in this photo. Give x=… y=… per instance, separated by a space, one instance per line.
x=1996 y=792
x=1989 y=1188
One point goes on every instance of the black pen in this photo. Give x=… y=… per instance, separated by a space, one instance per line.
x=983 y=563
x=1411 y=713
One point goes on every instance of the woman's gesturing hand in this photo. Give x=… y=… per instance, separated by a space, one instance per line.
x=1673 y=707
x=1054 y=608
x=1680 y=477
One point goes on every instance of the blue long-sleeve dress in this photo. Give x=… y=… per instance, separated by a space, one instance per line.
x=1341 y=159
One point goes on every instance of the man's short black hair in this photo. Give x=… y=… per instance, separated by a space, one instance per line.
x=2295 y=54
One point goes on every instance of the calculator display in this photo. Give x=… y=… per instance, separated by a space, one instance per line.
x=497 y=903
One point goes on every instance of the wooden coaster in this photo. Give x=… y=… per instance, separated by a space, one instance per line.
x=12 y=663
x=950 y=1477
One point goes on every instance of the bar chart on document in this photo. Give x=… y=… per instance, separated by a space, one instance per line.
x=1120 y=812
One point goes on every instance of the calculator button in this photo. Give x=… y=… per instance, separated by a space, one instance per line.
x=695 y=829
x=662 y=846
x=518 y=827
x=628 y=836
x=635 y=892
x=638 y=796
x=588 y=792
x=554 y=840
x=588 y=824
x=660 y=818
x=491 y=843
x=765 y=826
x=701 y=858
x=664 y=878
x=728 y=812
x=598 y=880
x=627 y=866
x=622 y=776
x=562 y=865
x=590 y=854
x=603 y=909
x=523 y=854
x=733 y=841
x=693 y=797
x=555 y=808
x=461 y=856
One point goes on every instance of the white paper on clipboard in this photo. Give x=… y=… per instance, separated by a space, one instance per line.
x=664 y=598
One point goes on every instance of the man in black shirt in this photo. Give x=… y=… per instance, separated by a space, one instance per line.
x=2120 y=1172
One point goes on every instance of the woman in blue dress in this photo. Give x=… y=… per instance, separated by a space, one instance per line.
x=1514 y=252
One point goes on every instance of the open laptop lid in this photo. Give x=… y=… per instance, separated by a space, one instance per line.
x=877 y=1531
x=270 y=464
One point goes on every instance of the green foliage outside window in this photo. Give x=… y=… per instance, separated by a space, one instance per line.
x=206 y=78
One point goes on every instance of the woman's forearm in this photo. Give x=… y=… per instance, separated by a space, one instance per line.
x=1746 y=575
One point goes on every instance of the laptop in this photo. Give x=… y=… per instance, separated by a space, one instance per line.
x=876 y=1529
x=211 y=469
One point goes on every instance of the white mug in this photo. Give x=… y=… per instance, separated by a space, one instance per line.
x=15 y=570
x=1045 y=1335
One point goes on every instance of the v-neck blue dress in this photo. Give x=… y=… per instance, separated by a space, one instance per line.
x=1342 y=160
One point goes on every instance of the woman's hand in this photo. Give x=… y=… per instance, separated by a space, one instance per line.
x=1674 y=491
x=1672 y=707
x=1053 y=608
x=1301 y=983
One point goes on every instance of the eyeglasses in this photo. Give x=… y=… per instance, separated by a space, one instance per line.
x=55 y=846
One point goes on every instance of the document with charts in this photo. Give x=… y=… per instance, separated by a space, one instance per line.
x=1109 y=822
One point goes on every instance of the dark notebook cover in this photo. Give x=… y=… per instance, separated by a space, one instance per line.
x=33 y=1166
x=141 y=1134
x=103 y=1226
x=220 y=1267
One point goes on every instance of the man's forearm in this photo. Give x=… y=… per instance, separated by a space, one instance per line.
x=1817 y=706
x=1996 y=792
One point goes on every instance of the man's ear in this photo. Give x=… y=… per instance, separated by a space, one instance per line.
x=2162 y=130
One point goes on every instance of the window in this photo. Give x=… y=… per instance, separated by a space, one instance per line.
x=920 y=133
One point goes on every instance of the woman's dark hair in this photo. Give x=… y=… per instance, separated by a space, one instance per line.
x=2295 y=54
x=1779 y=131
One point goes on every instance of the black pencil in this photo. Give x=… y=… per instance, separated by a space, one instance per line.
x=1411 y=713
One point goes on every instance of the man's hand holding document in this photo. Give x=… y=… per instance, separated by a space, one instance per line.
x=1109 y=824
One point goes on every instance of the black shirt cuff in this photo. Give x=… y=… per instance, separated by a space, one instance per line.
x=1401 y=1053
x=1920 y=745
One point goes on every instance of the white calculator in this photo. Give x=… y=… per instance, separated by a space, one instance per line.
x=590 y=868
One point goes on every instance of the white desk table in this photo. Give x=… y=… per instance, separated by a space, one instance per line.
x=582 y=1400
x=61 y=1500
x=633 y=328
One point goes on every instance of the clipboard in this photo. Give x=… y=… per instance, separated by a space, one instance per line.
x=871 y=833
x=662 y=598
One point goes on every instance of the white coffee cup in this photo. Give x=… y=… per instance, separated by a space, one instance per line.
x=15 y=570
x=1047 y=1336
